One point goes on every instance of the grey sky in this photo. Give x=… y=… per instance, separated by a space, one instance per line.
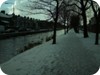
x=8 y=7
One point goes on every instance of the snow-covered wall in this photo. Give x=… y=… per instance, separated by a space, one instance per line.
x=13 y=46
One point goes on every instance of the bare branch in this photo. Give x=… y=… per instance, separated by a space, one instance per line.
x=87 y=7
x=73 y=5
x=86 y=3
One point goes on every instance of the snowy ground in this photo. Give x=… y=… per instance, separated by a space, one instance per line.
x=72 y=55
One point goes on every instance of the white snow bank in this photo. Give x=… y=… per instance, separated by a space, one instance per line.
x=89 y=43
x=68 y=57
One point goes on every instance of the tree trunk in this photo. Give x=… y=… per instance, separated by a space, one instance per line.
x=64 y=28
x=54 y=35
x=55 y=25
x=97 y=34
x=97 y=24
x=85 y=32
x=65 y=31
x=97 y=29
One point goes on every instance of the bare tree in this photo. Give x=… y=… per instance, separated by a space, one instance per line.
x=83 y=6
x=47 y=7
x=75 y=19
x=63 y=15
x=66 y=10
x=83 y=9
x=96 y=11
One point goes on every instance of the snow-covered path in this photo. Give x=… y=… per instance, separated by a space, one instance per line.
x=68 y=57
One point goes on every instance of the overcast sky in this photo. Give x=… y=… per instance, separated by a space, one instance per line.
x=7 y=5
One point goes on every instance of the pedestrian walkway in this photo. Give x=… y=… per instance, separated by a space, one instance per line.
x=67 y=57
